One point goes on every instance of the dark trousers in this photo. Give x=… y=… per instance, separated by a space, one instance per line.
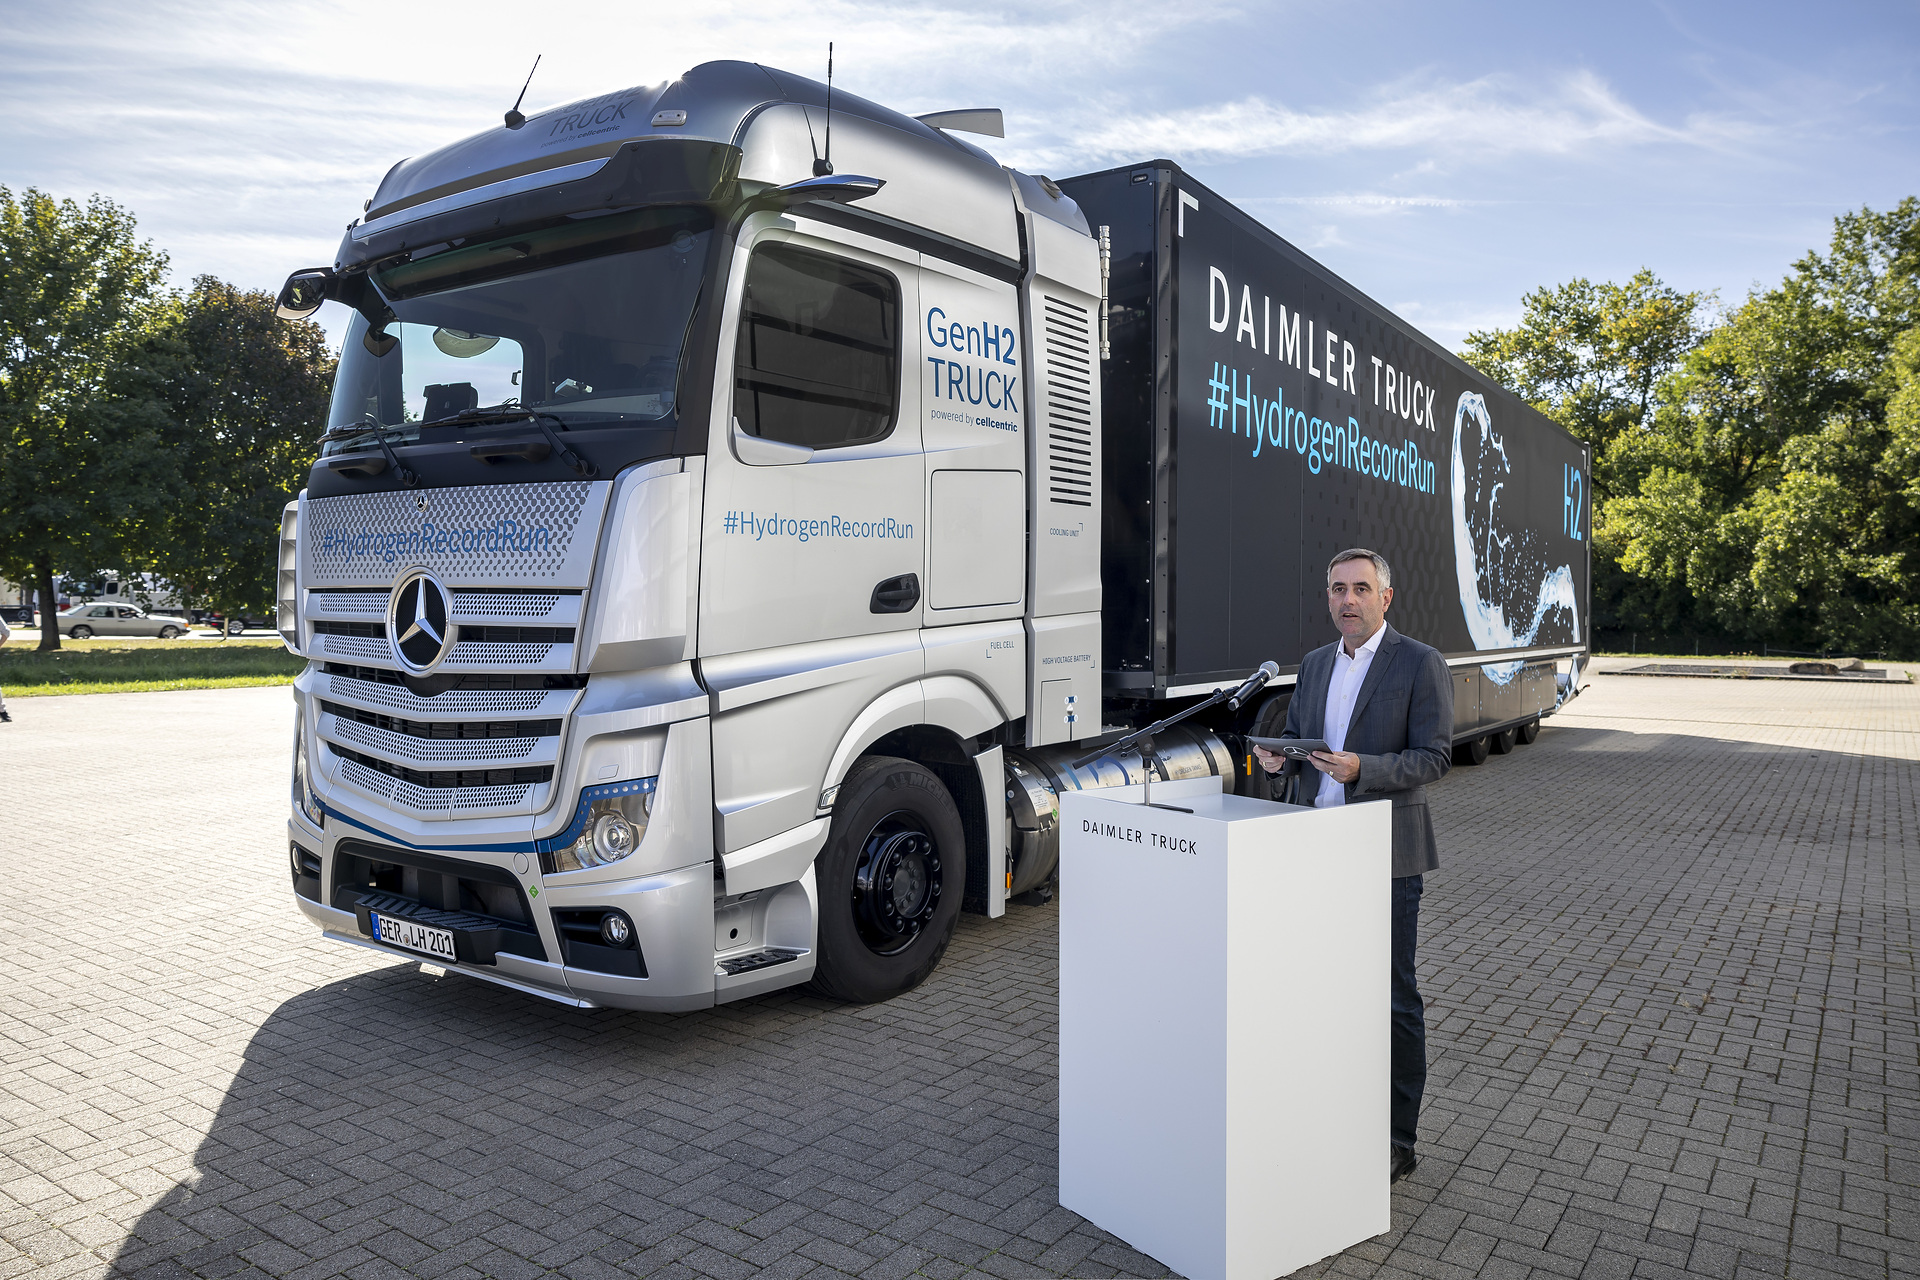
x=1409 y=1015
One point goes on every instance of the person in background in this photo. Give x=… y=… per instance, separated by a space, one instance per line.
x=1384 y=703
x=6 y=634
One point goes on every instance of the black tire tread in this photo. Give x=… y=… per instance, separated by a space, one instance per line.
x=830 y=978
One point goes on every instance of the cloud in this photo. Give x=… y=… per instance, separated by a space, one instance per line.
x=1363 y=201
x=1486 y=117
x=244 y=135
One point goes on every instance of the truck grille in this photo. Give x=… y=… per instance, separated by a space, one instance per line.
x=1067 y=338
x=450 y=752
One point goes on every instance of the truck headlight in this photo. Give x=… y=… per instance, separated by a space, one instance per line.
x=303 y=798
x=607 y=826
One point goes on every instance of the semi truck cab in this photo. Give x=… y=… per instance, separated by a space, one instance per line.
x=677 y=496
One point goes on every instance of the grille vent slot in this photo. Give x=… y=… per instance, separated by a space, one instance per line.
x=353 y=647
x=448 y=779
x=464 y=730
x=373 y=603
x=1067 y=329
x=432 y=751
x=516 y=635
x=481 y=653
x=504 y=604
x=431 y=799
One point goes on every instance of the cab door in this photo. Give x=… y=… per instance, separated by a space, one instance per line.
x=812 y=567
x=973 y=401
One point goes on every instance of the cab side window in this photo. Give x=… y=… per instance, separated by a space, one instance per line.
x=819 y=356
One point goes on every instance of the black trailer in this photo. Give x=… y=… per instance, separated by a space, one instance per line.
x=1260 y=415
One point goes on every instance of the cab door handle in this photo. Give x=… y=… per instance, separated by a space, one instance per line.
x=896 y=595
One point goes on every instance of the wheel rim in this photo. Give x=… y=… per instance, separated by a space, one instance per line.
x=897 y=884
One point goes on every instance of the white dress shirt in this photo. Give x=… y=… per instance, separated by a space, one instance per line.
x=1349 y=673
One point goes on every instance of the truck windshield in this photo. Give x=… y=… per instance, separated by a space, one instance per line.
x=584 y=321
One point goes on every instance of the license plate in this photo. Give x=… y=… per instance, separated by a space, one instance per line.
x=414 y=936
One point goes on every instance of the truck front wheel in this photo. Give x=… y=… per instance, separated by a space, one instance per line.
x=891 y=879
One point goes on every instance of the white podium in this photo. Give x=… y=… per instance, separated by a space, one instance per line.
x=1224 y=1026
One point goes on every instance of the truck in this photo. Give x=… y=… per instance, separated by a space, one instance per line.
x=744 y=509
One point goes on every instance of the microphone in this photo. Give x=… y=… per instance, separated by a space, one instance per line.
x=1255 y=683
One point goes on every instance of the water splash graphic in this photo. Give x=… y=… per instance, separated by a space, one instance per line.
x=1503 y=575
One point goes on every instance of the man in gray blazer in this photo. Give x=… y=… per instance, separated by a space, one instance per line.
x=1384 y=703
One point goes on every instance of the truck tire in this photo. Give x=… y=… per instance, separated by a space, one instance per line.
x=890 y=881
x=1471 y=752
x=1501 y=743
x=1527 y=732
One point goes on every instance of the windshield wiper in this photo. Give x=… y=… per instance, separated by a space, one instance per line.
x=345 y=464
x=515 y=413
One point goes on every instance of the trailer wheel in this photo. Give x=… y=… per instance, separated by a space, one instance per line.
x=1527 y=732
x=1501 y=743
x=1474 y=752
x=891 y=879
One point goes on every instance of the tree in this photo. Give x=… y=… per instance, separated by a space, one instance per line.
x=81 y=448
x=1592 y=356
x=248 y=395
x=1777 y=488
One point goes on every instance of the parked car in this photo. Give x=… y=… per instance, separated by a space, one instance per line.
x=240 y=622
x=86 y=620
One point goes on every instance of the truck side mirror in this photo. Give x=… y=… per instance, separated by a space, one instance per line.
x=835 y=188
x=303 y=293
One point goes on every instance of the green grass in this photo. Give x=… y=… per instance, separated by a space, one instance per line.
x=127 y=665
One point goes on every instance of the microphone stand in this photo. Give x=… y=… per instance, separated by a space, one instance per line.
x=1144 y=739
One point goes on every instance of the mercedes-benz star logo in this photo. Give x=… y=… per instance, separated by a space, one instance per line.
x=417 y=622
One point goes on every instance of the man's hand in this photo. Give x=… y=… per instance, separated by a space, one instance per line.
x=1271 y=761
x=1343 y=765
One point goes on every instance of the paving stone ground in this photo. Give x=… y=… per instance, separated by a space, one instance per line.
x=1669 y=961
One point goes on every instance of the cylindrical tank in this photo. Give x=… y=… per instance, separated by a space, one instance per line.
x=1036 y=777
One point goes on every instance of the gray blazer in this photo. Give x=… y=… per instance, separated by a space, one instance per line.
x=1402 y=730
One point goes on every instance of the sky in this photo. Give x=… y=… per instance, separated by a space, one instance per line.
x=1446 y=159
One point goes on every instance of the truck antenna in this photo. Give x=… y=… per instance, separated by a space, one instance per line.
x=821 y=168
x=514 y=118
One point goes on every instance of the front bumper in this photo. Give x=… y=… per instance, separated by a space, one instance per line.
x=672 y=915
x=515 y=936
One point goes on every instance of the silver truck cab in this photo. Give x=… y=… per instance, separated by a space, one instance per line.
x=702 y=520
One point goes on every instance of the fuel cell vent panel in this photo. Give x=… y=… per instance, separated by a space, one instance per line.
x=1067 y=372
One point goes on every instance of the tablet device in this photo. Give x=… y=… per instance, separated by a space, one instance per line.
x=1291 y=748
